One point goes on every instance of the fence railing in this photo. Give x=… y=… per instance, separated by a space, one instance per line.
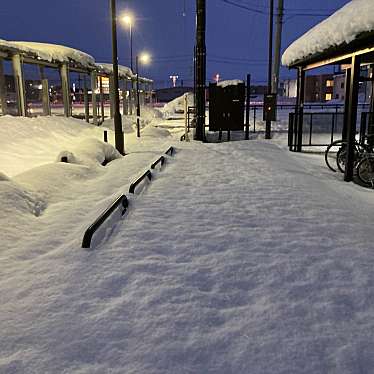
x=87 y=237
x=134 y=184
x=283 y=111
x=323 y=128
x=121 y=200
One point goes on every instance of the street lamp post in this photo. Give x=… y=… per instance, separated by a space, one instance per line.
x=128 y=21
x=119 y=135
x=144 y=59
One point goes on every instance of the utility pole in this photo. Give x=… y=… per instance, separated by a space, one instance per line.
x=200 y=69
x=119 y=136
x=270 y=70
x=277 y=48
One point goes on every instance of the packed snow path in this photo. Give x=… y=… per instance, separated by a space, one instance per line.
x=238 y=258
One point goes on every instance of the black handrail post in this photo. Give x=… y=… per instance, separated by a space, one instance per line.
x=254 y=119
x=332 y=128
x=247 y=106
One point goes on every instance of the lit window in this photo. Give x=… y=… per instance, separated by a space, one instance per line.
x=328 y=97
x=329 y=83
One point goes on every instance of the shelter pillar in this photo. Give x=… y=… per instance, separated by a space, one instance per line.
x=102 y=100
x=347 y=85
x=20 y=85
x=86 y=102
x=45 y=93
x=94 y=97
x=4 y=107
x=351 y=117
x=300 y=108
x=65 y=84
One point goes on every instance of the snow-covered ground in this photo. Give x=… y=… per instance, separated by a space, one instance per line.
x=238 y=258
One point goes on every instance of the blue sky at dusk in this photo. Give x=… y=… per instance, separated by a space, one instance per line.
x=236 y=35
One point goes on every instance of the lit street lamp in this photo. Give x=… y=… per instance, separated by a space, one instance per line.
x=128 y=20
x=145 y=59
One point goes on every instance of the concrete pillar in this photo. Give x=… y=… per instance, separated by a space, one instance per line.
x=20 y=85
x=45 y=93
x=94 y=98
x=3 y=102
x=65 y=85
x=86 y=102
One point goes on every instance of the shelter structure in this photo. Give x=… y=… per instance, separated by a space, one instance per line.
x=346 y=38
x=57 y=72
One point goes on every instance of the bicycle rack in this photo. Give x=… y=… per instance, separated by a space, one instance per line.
x=121 y=200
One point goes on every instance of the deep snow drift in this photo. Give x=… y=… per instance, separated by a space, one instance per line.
x=239 y=258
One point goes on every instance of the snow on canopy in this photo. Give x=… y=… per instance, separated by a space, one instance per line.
x=50 y=52
x=343 y=26
x=123 y=71
x=233 y=82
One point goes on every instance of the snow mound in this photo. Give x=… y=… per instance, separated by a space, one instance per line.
x=147 y=116
x=3 y=177
x=90 y=151
x=343 y=26
x=156 y=132
x=176 y=106
x=16 y=199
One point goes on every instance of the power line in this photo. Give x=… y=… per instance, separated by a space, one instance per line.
x=288 y=11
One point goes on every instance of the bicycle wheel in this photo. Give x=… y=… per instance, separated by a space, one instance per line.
x=341 y=156
x=365 y=171
x=330 y=155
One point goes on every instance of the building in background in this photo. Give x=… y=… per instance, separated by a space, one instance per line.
x=164 y=95
x=318 y=88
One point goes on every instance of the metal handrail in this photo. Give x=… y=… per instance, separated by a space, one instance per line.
x=159 y=160
x=121 y=200
x=133 y=185
x=170 y=151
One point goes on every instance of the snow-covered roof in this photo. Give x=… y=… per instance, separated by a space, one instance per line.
x=233 y=82
x=123 y=71
x=342 y=27
x=55 y=53
x=49 y=52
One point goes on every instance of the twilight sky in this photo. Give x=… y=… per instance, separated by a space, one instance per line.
x=236 y=37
